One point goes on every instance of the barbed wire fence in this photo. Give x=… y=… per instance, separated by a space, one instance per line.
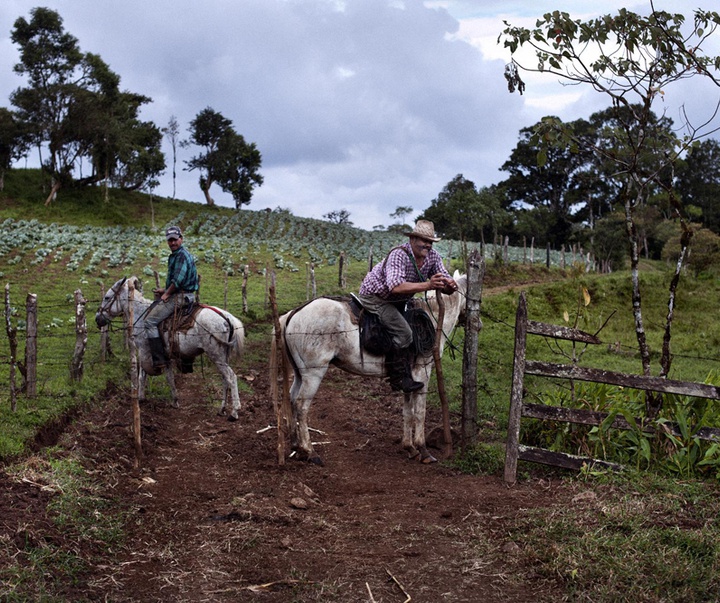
x=53 y=343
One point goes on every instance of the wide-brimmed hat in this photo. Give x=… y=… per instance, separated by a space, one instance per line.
x=424 y=229
x=173 y=232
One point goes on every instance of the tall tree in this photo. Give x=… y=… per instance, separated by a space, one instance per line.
x=55 y=67
x=545 y=183
x=699 y=182
x=172 y=133
x=73 y=105
x=461 y=211
x=13 y=142
x=226 y=159
x=632 y=59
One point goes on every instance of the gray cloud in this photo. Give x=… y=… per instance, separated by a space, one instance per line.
x=362 y=104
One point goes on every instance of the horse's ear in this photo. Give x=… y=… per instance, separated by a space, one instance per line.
x=137 y=283
x=457 y=275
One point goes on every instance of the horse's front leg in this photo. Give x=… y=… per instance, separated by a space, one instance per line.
x=414 y=409
x=170 y=378
x=141 y=384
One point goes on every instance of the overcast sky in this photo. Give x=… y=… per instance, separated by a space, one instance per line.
x=363 y=105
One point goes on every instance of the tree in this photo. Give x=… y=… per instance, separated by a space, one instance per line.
x=338 y=216
x=13 y=142
x=227 y=159
x=52 y=60
x=627 y=57
x=546 y=184
x=400 y=213
x=172 y=133
x=699 y=182
x=461 y=211
x=73 y=105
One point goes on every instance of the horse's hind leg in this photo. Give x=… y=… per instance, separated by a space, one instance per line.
x=301 y=398
x=230 y=387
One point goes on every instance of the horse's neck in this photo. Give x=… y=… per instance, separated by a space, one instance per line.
x=451 y=309
x=140 y=306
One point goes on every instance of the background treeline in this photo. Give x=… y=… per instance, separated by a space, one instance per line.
x=88 y=131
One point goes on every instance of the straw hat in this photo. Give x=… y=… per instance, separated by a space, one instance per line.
x=424 y=229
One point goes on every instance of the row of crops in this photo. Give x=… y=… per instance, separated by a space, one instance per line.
x=223 y=240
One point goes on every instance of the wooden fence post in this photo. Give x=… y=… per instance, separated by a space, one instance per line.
x=134 y=375
x=31 y=345
x=313 y=284
x=440 y=378
x=104 y=333
x=76 y=366
x=473 y=324
x=283 y=413
x=341 y=270
x=246 y=271
x=12 y=337
x=516 y=395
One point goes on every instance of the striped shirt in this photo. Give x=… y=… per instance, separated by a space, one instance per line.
x=182 y=271
x=399 y=267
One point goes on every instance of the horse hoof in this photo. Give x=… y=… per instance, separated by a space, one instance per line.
x=428 y=459
x=316 y=460
x=232 y=417
x=176 y=403
x=413 y=454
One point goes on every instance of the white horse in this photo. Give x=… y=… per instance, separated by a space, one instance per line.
x=325 y=332
x=217 y=333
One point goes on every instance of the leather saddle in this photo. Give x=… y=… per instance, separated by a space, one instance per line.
x=375 y=339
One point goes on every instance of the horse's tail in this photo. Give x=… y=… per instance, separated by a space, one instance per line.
x=238 y=336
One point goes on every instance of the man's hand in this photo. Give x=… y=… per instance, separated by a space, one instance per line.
x=442 y=283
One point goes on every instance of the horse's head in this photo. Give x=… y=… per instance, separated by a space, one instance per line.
x=112 y=303
x=460 y=295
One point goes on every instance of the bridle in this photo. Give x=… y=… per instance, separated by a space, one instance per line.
x=107 y=303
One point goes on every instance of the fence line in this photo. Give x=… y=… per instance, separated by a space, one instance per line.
x=515 y=451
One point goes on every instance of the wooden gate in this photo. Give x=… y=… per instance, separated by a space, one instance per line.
x=522 y=366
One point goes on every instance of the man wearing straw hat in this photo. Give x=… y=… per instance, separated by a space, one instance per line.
x=414 y=267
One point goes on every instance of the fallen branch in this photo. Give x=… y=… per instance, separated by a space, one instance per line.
x=404 y=592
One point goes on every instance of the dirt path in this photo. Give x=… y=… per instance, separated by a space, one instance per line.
x=213 y=517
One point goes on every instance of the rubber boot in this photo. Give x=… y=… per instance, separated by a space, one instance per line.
x=399 y=369
x=157 y=350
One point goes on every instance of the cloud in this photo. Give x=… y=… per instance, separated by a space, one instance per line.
x=356 y=104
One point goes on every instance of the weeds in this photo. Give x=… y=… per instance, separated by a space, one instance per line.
x=34 y=561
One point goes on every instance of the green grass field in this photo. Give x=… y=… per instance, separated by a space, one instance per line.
x=83 y=242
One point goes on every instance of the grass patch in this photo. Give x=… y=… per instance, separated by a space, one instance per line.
x=80 y=530
x=633 y=538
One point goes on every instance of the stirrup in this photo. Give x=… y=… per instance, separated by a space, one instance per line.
x=409 y=386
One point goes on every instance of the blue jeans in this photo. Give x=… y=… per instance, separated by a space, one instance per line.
x=162 y=310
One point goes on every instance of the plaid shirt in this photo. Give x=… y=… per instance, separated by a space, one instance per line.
x=399 y=267
x=182 y=271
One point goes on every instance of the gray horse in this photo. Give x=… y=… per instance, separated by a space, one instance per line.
x=323 y=333
x=217 y=333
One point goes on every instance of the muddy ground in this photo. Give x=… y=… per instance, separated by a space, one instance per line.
x=213 y=516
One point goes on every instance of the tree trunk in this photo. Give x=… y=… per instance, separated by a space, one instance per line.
x=53 y=191
x=636 y=300
x=206 y=191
